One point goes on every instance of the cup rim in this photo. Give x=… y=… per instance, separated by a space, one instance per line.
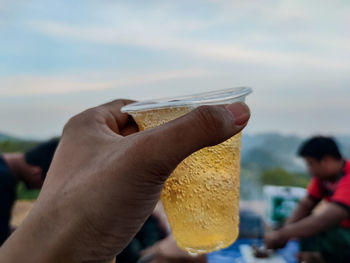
x=217 y=97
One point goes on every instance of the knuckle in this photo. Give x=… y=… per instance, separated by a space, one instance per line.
x=116 y=103
x=93 y=113
x=82 y=119
x=146 y=155
x=210 y=119
x=69 y=124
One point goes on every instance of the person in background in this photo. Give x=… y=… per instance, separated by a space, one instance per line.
x=29 y=167
x=151 y=233
x=165 y=250
x=324 y=235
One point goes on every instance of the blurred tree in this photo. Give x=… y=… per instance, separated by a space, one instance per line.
x=282 y=177
x=16 y=145
x=23 y=193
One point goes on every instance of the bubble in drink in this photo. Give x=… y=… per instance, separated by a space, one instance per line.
x=201 y=196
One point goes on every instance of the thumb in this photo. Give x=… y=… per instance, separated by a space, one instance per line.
x=167 y=145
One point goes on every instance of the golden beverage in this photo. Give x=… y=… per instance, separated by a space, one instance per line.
x=201 y=196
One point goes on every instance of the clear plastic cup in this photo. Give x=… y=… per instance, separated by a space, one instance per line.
x=201 y=196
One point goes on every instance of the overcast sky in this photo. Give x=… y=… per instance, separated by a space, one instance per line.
x=60 y=57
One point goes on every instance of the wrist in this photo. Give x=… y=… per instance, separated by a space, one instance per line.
x=40 y=239
x=284 y=233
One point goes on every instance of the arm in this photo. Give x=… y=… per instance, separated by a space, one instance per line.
x=314 y=224
x=166 y=250
x=105 y=180
x=311 y=225
x=304 y=209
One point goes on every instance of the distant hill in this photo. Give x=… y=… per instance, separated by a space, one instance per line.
x=267 y=158
x=270 y=158
x=5 y=137
x=273 y=150
x=344 y=144
x=10 y=143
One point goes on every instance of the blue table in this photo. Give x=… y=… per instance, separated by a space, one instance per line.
x=233 y=255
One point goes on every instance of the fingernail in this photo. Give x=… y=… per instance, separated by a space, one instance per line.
x=240 y=112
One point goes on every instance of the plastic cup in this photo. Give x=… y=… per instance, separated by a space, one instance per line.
x=201 y=196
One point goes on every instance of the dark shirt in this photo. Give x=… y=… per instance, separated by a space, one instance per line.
x=7 y=199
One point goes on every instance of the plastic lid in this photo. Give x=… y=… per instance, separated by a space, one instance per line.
x=218 y=97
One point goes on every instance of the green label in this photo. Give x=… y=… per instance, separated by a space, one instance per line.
x=283 y=207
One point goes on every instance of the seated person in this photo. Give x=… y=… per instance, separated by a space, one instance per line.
x=155 y=244
x=31 y=168
x=327 y=232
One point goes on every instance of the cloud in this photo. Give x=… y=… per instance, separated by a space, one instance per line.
x=39 y=85
x=215 y=51
x=296 y=54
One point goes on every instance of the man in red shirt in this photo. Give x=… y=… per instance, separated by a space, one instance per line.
x=326 y=232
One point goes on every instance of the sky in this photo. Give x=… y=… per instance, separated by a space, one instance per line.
x=58 y=58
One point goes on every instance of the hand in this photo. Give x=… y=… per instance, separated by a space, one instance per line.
x=105 y=180
x=275 y=239
x=166 y=251
x=310 y=257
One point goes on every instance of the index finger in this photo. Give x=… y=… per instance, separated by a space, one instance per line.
x=118 y=120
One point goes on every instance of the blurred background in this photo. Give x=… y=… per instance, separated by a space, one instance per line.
x=58 y=58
